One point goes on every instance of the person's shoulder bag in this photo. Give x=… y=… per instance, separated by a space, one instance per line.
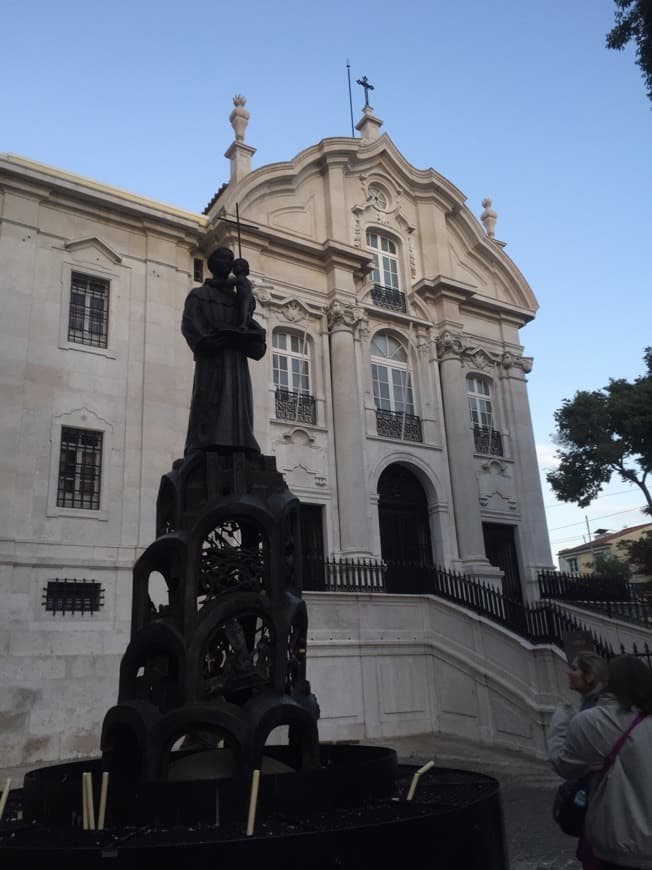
x=572 y=797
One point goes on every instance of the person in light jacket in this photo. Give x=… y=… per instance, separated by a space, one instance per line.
x=618 y=825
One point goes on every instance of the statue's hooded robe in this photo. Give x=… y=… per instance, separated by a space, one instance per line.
x=222 y=408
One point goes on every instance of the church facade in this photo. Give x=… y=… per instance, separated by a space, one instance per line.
x=393 y=395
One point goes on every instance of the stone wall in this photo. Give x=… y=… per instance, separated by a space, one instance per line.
x=381 y=666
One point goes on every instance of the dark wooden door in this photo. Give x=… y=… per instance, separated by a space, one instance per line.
x=500 y=548
x=311 y=519
x=404 y=531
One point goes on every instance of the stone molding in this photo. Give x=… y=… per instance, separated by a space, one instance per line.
x=345 y=317
x=371 y=214
x=451 y=345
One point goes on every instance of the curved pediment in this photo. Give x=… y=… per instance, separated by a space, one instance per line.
x=339 y=188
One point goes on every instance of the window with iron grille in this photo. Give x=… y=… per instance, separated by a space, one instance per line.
x=198 y=270
x=88 y=319
x=80 y=469
x=291 y=369
x=487 y=439
x=386 y=291
x=73 y=596
x=392 y=385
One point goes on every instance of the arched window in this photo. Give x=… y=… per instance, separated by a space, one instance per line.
x=386 y=274
x=291 y=368
x=486 y=437
x=392 y=385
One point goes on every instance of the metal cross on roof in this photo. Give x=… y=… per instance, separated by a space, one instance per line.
x=367 y=87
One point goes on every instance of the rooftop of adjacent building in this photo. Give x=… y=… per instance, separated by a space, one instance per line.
x=606 y=538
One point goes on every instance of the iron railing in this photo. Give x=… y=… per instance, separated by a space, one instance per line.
x=582 y=587
x=539 y=622
x=388 y=297
x=488 y=441
x=645 y=653
x=291 y=405
x=608 y=596
x=637 y=612
x=392 y=424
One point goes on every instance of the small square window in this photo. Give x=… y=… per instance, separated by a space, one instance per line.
x=88 y=316
x=73 y=596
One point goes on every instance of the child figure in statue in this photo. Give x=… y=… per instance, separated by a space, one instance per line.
x=244 y=292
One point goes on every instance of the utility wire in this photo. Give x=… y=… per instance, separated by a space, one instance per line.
x=568 y=504
x=595 y=519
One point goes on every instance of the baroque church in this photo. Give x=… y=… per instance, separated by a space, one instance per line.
x=393 y=397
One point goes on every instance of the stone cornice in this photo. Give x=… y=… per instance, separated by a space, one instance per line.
x=273 y=240
x=440 y=286
x=453 y=345
x=60 y=184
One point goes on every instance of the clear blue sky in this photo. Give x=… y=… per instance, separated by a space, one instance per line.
x=516 y=100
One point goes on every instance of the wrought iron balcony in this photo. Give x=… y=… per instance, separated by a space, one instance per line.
x=488 y=441
x=291 y=405
x=391 y=424
x=387 y=297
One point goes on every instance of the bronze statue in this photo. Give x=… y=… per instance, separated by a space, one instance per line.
x=218 y=326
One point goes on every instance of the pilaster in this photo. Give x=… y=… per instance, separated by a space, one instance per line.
x=535 y=545
x=460 y=456
x=348 y=428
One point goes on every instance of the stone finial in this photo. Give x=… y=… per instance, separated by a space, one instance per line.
x=239 y=153
x=369 y=126
x=488 y=218
x=239 y=117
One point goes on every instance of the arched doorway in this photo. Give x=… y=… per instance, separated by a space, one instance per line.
x=404 y=531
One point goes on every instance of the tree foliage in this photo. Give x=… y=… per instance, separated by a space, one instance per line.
x=607 y=565
x=633 y=22
x=639 y=553
x=605 y=432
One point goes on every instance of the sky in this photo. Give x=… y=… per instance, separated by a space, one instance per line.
x=517 y=100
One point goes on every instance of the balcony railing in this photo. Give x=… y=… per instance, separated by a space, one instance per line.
x=391 y=424
x=291 y=405
x=488 y=441
x=388 y=297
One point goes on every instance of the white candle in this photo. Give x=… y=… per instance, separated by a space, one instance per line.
x=5 y=795
x=415 y=778
x=90 y=808
x=103 y=795
x=253 y=798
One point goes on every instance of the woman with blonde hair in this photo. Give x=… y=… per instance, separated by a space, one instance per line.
x=587 y=675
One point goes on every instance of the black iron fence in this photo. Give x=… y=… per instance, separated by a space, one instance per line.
x=609 y=596
x=544 y=621
x=292 y=405
x=388 y=297
x=582 y=587
x=637 y=612
x=488 y=441
x=394 y=424
x=644 y=652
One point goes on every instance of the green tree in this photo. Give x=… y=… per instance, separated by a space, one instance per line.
x=639 y=553
x=633 y=22
x=607 y=565
x=605 y=432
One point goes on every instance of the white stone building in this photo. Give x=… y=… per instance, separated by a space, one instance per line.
x=393 y=395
